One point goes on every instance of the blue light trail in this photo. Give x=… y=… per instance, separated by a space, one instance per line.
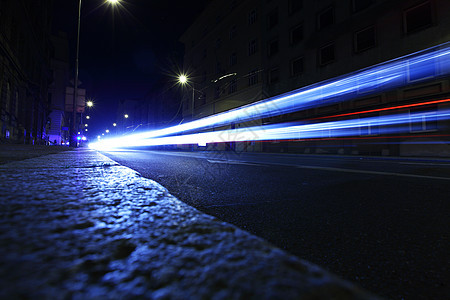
x=418 y=67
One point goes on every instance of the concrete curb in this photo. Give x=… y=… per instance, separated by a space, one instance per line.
x=78 y=225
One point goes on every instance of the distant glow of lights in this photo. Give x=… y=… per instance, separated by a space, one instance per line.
x=88 y=117
x=125 y=116
x=86 y=129
x=85 y=125
x=83 y=138
x=287 y=131
x=114 y=124
x=420 y=66
x=107 y=130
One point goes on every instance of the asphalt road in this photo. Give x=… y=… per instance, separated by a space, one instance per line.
x=383 y=223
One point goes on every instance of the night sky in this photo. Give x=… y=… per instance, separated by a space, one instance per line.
x=124 y=51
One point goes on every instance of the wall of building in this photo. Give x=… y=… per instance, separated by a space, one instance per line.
x=24 y=70
x=298 y=43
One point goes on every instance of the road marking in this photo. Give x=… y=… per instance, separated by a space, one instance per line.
x=371 y=172
x=426 y=164
x=234 y=162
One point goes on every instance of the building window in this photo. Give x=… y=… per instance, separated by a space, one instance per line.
x=358 y=5
x=218 y=43
x=423 y=119
x=272 y=19
x=419 y=70
x=297 y=66
x=252 y=47
x=365 y=39
x=368 y=124
x=272 y=47
x=233 y=59
x=325 y=18
x=295 y=6
x=233 y=32
x=418 y=17
x=296 y=34
x=274 y=75
x=253 y=78
x=232 y=88
x=252 y=17
x=217 y=92
x=326 y=54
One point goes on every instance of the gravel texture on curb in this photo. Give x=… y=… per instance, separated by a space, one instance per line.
x=78 y=225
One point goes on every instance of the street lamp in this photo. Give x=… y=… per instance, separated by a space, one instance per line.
x=184 y=80
x=89 y=103
x=75 y=92
x=114 y=124
x=125 y=116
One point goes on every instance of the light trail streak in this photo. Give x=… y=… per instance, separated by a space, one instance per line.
x=420 y=66
x=384 y=109
x=287 y=131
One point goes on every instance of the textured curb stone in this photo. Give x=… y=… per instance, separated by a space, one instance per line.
x=78 y=225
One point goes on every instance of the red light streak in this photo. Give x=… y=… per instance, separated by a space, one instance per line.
x=385 y=109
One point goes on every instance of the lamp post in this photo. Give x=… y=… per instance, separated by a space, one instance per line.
x=184 y=80
x=73 y=141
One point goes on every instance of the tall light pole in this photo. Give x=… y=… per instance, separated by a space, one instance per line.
x=73 y=141
x=184 y=80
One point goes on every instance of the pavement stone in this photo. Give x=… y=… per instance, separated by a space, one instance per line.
x=77 y=225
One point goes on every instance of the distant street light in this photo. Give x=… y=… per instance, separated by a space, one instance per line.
x=88 y=117
x=90 y=103
x=125 y=116
x=107 y=130
x=114 y=124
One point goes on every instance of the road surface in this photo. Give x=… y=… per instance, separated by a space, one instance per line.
x=380 y=222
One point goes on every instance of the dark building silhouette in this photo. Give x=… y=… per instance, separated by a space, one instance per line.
x=25 y=70
x=238 y=52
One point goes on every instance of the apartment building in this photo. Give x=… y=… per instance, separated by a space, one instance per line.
x=24 y=70
x=238 y=52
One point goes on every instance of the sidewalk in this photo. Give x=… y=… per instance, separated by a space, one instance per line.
x=77 y=225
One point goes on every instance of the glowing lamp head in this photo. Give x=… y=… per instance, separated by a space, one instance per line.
x=125 y=116
x=113 y=2
x=182 y=79
x=89 y=103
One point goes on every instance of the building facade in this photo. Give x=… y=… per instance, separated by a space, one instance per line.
x=24 y=70
x=238 y=52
